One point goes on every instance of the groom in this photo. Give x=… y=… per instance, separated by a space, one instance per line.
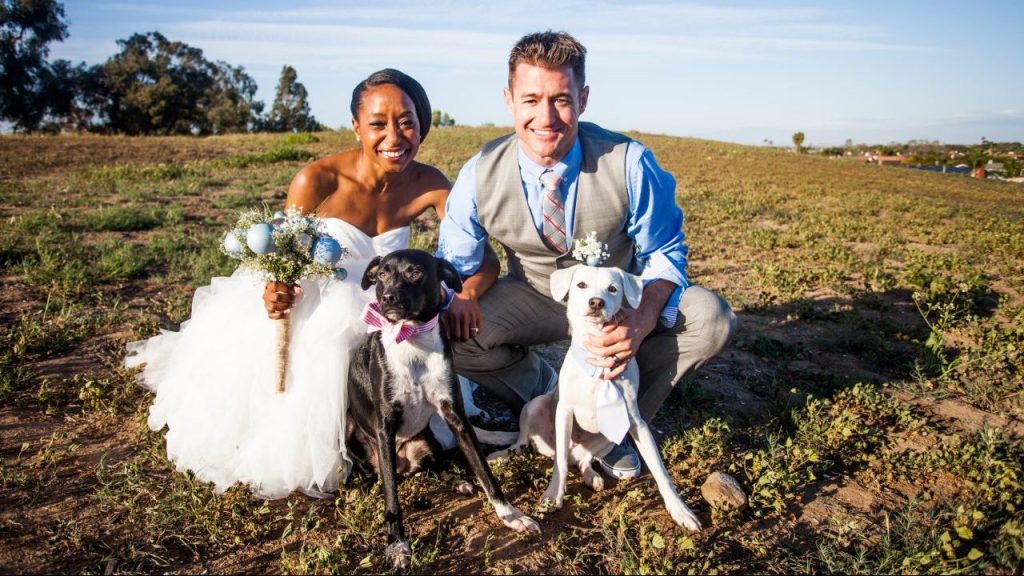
x=534 y=191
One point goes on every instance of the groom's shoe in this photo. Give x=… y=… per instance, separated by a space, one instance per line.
x=620 y=461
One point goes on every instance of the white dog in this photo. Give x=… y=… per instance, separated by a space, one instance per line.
x=606 y=409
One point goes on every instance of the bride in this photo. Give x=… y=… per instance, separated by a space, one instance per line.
x=214 y=380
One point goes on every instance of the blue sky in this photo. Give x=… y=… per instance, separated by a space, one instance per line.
x=870 y=71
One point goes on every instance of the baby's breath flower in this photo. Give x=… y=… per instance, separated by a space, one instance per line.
x=590 y=250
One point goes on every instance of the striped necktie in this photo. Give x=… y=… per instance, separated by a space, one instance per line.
x=554 y=212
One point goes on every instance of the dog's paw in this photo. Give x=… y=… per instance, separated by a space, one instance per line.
x=521 y=523
x=548 y=505
x=593 y=479
x=464 y=487
x=400 y=555
x=554 y=493
x=684 y=517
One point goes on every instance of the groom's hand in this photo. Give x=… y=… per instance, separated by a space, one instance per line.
x=464 y=318
x=278 y=298
x=619 y=342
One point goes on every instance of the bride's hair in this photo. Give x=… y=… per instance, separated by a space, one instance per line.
x=406 y=84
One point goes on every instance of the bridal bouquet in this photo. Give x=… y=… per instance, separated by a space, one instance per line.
x=284 y=247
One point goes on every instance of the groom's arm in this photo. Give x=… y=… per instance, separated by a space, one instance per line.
x=463 y=242
x=465 y=320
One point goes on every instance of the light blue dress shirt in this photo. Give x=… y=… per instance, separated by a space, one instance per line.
x=655 y=221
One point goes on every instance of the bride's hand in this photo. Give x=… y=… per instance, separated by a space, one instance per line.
x=278 y=298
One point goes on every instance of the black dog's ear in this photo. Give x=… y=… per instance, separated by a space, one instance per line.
x=448 y=273
x=370 y=276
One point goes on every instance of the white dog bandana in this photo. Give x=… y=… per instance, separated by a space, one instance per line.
x=612 y=416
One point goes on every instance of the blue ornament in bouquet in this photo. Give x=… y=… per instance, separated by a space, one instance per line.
x=283 y=247
x=326 y=251
x=260 y=238
x=232 y=246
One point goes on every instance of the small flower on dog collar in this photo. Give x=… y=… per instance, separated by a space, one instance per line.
x=590 y=250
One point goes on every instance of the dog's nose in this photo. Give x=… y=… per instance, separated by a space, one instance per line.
x=388 y=298
x=596 y=303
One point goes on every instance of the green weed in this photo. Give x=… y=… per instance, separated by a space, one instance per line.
x=122 y=219
x=284 y=153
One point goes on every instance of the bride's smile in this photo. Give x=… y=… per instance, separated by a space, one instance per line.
x=387 y=127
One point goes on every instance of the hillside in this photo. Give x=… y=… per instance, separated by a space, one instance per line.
x=871 y=404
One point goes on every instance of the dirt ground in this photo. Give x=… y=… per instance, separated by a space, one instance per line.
x=41 y=519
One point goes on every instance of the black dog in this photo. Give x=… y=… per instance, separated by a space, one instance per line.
x=403 y=374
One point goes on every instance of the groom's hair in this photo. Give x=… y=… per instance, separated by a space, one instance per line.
x=406 y=84
x=550 y=50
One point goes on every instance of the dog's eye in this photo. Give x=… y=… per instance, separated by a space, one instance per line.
x=382 y=275
x=582 y=285
x=413 y=274
x=613 y=288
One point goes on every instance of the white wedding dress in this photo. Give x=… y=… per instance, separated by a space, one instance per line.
x=215 y=379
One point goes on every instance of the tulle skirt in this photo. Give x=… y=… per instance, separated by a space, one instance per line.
x=216 y=393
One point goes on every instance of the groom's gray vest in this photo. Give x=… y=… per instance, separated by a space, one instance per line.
x=602 y=205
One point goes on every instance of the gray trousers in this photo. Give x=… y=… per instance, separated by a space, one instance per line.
x=516 y=317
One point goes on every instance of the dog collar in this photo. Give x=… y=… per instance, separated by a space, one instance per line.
x=579 y=354
x=612 y=415
x=393 y=332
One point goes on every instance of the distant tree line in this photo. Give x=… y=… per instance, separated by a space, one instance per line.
x=441 y=119
x=934 y=153
x=153 y=86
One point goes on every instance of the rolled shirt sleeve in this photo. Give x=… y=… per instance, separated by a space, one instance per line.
x=461 y=238
x=656 y=225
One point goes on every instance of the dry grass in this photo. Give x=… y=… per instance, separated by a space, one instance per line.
x=871 y=403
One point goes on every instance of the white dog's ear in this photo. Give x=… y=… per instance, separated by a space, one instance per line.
x=561 y=280
x=633 y=288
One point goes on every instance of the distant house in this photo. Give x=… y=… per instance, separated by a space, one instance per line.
x=992 y=171
x=888 y=160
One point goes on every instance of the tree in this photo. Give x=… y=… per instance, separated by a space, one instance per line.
x=441 y=119
x=26 y=27
x=798 y=141
x=233 y=107
x=158 y=86
x=68 y=96
x=290 y=112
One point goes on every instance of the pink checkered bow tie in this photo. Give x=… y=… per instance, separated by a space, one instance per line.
x=392 y=332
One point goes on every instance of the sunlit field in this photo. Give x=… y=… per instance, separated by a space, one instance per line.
x=870 y=404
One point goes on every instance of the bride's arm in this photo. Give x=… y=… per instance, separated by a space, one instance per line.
x=310 y=187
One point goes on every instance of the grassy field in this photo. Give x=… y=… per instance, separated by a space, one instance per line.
x=870 y=405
